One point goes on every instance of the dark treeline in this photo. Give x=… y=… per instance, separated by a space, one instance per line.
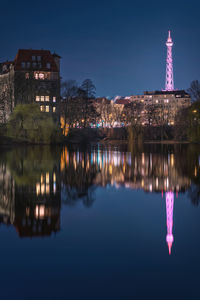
x=77 y=105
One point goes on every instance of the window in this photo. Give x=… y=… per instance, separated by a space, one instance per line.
x=39 y=65
x=28 y=64
x=4 y=68
x=42 y=108
x=42 y=98
x=156 y=101
x=54 y=109
x=41 y=76
x=27 y=75
x=34 y=64
x=33 y=57
x=46 y=98
x=47 y=108
x=23 y=64
x=37 y=98
x=39 y=58
x=166 y=101
x=48 y=65
x=54 y=99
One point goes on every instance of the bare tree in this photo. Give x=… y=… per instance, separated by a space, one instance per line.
x=194 y=90
x=87 y=94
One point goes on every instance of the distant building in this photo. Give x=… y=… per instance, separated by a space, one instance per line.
x=162 y=105
x=33 y=76
x=152 y=108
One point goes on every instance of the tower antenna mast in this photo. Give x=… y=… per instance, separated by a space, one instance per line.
x=169 y=82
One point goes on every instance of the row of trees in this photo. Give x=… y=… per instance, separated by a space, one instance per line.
x=188 y=119
x=77 y=107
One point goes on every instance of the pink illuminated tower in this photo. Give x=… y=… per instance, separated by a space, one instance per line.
x=169 y=214
x=169 y=83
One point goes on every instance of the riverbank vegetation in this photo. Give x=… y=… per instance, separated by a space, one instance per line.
x=28 y=125
x=79 y=122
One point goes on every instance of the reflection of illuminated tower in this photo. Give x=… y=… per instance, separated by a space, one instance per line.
x=169 y=83
x=169 y=213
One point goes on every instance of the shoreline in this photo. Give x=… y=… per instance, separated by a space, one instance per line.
x=6 y=141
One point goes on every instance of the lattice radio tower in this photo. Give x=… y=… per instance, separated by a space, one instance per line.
x=169 y=83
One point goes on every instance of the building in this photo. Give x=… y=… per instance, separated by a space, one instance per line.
x=33 y=76
x=161 y=107
x=153 y=108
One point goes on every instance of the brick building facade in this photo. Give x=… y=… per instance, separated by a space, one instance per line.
x=33 y=76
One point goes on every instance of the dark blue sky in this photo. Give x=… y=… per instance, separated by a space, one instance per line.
x=120 y=45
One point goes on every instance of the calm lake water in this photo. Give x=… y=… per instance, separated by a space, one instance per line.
x=100 y=223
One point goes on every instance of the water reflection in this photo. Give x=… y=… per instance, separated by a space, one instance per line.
x=35 y=182
x=169 y=214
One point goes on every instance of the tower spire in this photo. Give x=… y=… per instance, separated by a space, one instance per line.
x=169 y=82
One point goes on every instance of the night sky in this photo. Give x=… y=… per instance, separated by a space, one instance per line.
x=120 y=45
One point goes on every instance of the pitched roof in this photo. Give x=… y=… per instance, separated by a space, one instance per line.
x=25 y=55
x=122 y=101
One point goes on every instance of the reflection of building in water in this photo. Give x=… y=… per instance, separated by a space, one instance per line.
x=77 y=177
x=169 y=214
x=147 y=171
x=7 y=195
x=33 y=208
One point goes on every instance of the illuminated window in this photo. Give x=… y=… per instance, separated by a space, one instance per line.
x=54 y=99
x=166 y=101
x=42 y=98
x=47 y=108
x=41 y=76
x=27 y=75
x=48 y=65
x=156 y=101
x=37 y=98
x=47 y=98
x=54 y=109
x=42 y=108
